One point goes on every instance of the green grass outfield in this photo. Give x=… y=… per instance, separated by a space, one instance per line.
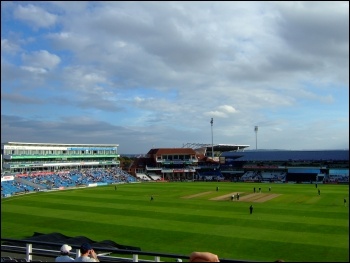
x=296 y=225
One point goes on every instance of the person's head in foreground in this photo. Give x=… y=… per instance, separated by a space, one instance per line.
x=203 y=257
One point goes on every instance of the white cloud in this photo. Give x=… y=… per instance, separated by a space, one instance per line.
x=35 y=15
x=35 y=69
x=9 y=47
x=227 y=108
x=41 y=59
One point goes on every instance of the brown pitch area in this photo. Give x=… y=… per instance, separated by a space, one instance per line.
x=224 y=197
x=258 y=197
x=196 y=195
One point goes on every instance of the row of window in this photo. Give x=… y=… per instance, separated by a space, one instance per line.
x=57 y=152
x=175 y=157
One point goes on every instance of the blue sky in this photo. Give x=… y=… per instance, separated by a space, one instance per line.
x=153 y=74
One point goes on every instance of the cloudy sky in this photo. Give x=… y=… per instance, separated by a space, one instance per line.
x=152 y=74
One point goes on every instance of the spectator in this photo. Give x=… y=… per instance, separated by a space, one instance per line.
x=210 y=257
x=203 y=257
x=87 y=254
x=64 y=257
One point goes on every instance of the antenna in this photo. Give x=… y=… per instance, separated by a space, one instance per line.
x=212 y=142
x=256 y=137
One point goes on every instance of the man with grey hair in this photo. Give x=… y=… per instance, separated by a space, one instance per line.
x=64 y=257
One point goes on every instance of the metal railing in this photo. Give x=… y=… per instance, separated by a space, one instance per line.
x=105 y=254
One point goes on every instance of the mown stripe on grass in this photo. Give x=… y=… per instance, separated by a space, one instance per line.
x=279 y=215
x=91 y=218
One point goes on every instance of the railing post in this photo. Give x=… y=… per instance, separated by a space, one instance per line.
x=135 y=258
x=157 y=259
x=29 y=249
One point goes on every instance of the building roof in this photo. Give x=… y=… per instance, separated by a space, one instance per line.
x=160 y=151
x=217 y=147
x=55 y=144
x=280 y=155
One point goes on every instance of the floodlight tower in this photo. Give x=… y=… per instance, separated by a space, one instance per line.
x=212 y=142
x=256 y=137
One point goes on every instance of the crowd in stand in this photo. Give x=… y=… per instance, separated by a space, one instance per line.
x=337 y=179
x=37 y=181
x=264 y=176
